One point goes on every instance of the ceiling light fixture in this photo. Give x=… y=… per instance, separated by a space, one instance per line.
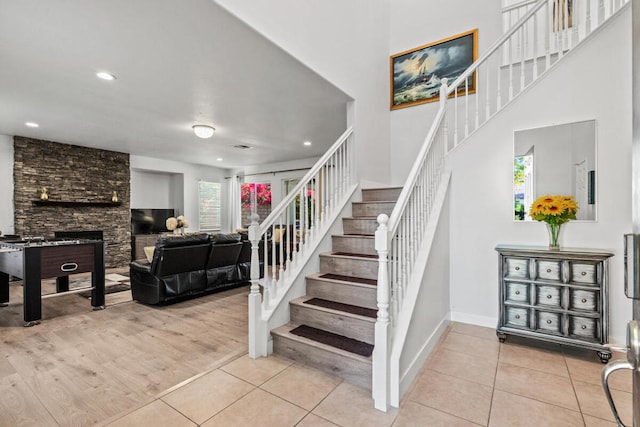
x=219 y=159
x=203 y=131
x=105 y=76
x=32 y=124
x=307 y=143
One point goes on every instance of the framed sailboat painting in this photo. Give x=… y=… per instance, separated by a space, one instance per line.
x=416 y=74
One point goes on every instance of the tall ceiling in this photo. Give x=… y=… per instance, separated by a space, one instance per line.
x=177 y=63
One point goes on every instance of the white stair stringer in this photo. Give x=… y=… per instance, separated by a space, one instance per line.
x=401 y=377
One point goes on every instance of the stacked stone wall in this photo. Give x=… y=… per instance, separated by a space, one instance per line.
x=73 y=174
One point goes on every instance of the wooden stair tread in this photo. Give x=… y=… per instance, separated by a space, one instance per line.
x=355 y=255
x=355 y=235
x=284 y=331
x=359 y=280
x=334 y=340
x=338 y=306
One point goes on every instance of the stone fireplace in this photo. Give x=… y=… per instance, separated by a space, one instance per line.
x=80 y=182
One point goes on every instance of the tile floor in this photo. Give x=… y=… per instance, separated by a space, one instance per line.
x=469 y=379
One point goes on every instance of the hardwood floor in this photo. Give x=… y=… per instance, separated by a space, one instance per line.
x=80 y=367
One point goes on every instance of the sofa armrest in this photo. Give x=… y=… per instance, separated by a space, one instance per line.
x=141 y=265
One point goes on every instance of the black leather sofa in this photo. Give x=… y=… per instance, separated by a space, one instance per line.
x=187 y=266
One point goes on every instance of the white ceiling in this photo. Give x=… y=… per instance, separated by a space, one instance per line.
x=177 y=63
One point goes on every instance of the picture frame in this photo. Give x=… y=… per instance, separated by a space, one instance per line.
x=416 y=73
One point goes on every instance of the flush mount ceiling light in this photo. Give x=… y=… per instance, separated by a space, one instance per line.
x=105 y=76
x=219 y=159
x=203 y=131
x=32 y=124
x=307 y=143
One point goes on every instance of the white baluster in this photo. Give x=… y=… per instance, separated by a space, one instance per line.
x=477 y=98
x=534 y=46
x=455 y=116
x=548 y=35
x=522 y=35
x=487 y=90
x=466 y=107
x=499 y=80
x=510 y=62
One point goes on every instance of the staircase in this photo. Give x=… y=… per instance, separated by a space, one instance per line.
x=332 y=327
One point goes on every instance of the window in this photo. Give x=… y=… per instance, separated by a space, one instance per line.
x=209 y=205
x=261 y=194
x=523 y=185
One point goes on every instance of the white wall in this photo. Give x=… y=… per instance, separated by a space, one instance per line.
x=151 y=190
x=345 y=42
x=183 y=191
x=416 y=23
x=482 y=180
x=6 y=184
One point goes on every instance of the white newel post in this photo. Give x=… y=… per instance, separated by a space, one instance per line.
x=381 y=351
x=257 y=339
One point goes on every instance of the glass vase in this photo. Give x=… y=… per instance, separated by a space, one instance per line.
x=554 y=236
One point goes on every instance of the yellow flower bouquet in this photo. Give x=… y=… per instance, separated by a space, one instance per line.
x=554 y=211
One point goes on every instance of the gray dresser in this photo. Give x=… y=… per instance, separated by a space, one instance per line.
x=557 y=296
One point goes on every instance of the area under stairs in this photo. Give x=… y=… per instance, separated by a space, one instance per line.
x=332 y=327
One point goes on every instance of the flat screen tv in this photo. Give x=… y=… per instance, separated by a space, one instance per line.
x=149 y=221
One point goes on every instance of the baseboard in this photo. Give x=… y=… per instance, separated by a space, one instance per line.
x=474 y=319
x=416 y=364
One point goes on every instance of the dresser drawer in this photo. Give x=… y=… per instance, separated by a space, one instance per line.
x=584 y=273
x=517 y=292
x=583 y=300
x=584 y=327
x=549 y=322
x=548 y=296
x=517 y=268
x=517 y=317
x=549 y=270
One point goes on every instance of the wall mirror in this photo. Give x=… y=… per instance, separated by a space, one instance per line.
x=559 y=159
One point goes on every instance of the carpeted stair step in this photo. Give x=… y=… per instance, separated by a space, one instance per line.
x=381 y=194
x=348 y=290
x=352 y=367
x=372 y=209
x=343 y=319
x=362 y=226
x=352 y=265
x=354 y=244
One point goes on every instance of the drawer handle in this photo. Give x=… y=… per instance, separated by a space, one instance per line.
x=517 y=268
x=549 y=296
x=584 y=326
x=548 y=270
x=584 y=273
x=517 y=316
x=583 y=300
x=69 y=266
x=549 y=322
x=517 y=292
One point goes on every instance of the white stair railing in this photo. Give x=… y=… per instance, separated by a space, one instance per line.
x=286 y=238
x=544 y=32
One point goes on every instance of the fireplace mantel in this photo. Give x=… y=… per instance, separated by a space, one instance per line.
x=72 y=204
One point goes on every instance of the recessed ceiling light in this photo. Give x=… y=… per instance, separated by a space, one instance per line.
x=32 y=124
x=203 y=131
x=219 y=159
x=307 y=143
x=105 y=76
